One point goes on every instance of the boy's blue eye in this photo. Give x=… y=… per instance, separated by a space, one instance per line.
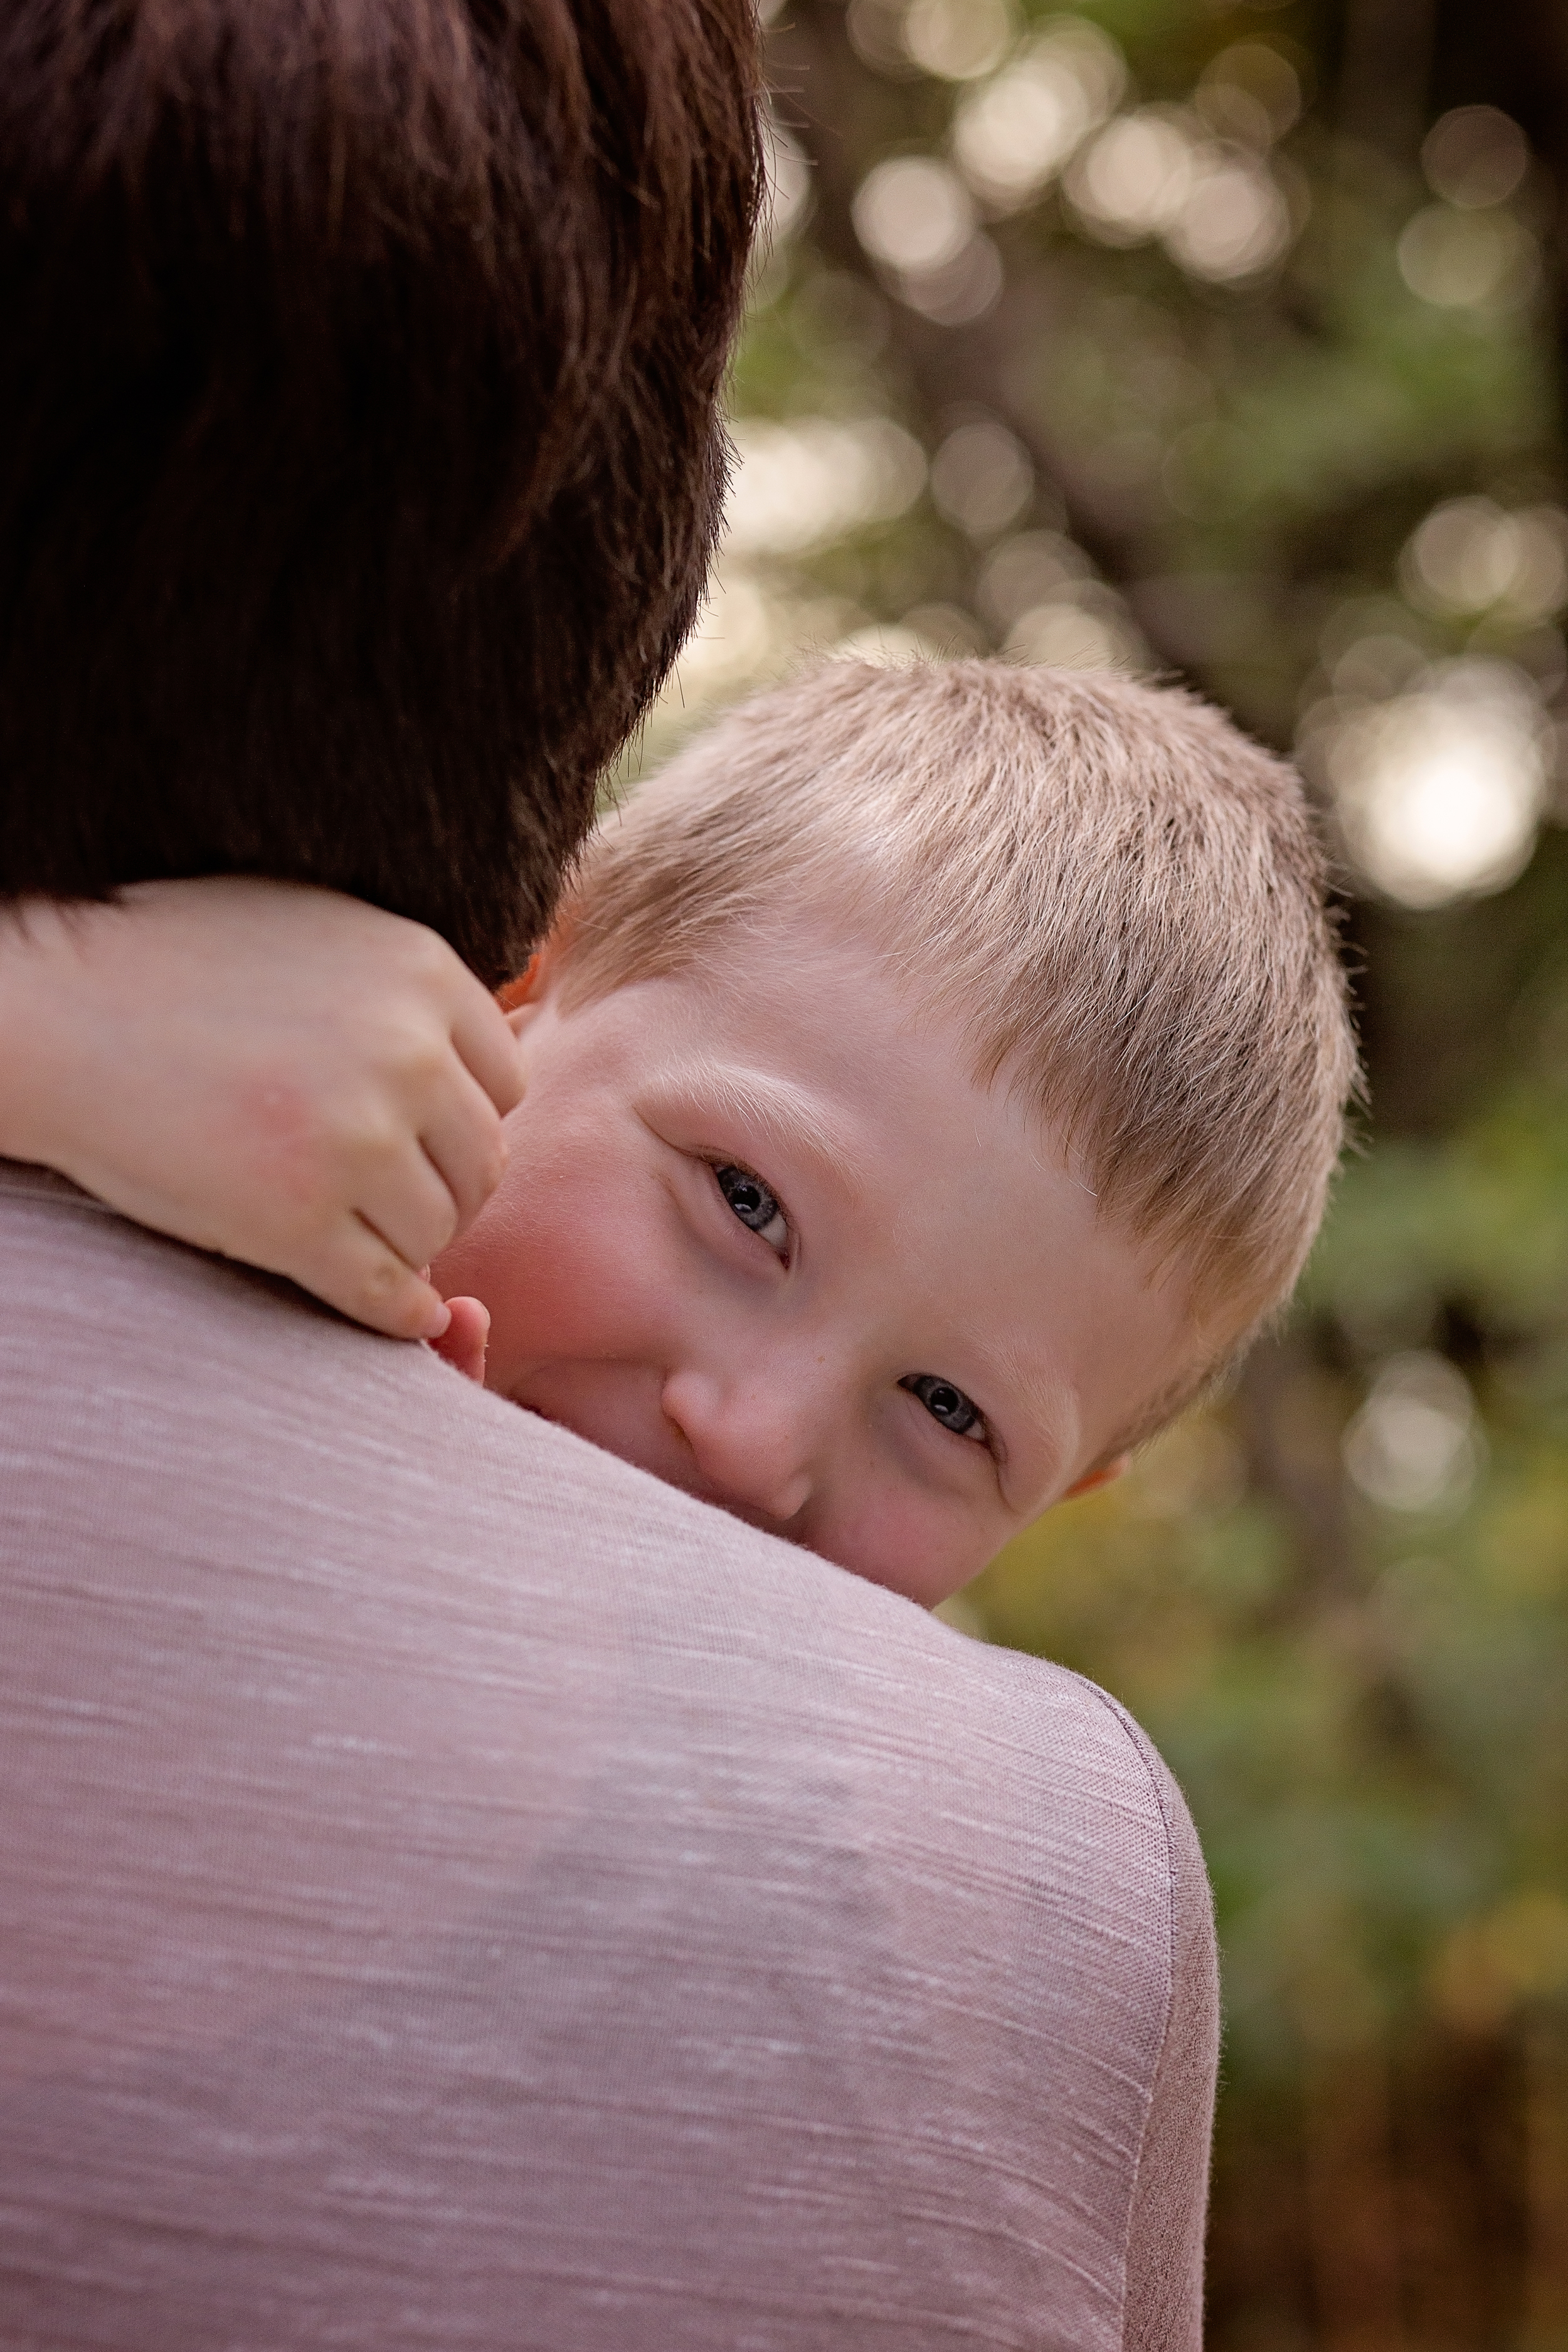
x=946 y=1403
x=748 y=1196
x=756 y=1205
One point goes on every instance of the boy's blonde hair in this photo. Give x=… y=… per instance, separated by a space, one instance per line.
x=1119 y=897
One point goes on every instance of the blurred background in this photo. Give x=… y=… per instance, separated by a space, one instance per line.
x=1226 y=343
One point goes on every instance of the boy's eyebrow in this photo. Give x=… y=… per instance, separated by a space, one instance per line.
x=1047 y=1401
x=797 y=1116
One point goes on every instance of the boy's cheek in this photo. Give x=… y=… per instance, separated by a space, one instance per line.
x=919 y=1546
x=568 y=1279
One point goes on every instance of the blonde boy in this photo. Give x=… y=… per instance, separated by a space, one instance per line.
x=931 y=1080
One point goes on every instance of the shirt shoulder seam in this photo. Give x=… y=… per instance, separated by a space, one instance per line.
x=1141 y=1743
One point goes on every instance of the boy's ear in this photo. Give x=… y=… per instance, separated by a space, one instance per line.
x=520 y=999
x=1104 y=1477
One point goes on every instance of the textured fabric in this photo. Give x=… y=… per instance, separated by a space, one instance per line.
x=1165 y=2224
x=458 y=1893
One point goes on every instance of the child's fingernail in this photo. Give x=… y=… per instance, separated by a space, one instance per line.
x=439 y=1318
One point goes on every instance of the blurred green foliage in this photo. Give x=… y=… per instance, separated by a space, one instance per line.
x=1337 y=1598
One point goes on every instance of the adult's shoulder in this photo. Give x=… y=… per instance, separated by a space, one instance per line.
x=451 y=1873
x=232 y=1409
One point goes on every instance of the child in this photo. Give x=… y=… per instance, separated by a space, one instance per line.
x=930 y=1082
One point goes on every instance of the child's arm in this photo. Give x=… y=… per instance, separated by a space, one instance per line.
x=290 y=1077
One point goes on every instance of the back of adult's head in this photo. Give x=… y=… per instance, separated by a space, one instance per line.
x=360 y=456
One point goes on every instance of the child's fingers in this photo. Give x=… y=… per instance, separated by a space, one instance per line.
x=356 y=1269
x=403 y=1196
x=461 y=1134
x=485 y=1044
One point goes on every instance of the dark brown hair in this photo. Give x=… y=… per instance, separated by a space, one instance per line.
x=359 y=458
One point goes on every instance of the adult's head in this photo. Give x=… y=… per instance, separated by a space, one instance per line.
x=360 y=457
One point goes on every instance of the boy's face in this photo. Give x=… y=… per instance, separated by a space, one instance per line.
x=761 y=1233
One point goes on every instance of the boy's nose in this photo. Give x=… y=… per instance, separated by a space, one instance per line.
x=750 y=1449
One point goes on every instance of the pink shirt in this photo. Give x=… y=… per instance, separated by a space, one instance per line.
x=460 y=1893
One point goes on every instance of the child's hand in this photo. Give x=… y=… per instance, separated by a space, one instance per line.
x=290 y=1077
